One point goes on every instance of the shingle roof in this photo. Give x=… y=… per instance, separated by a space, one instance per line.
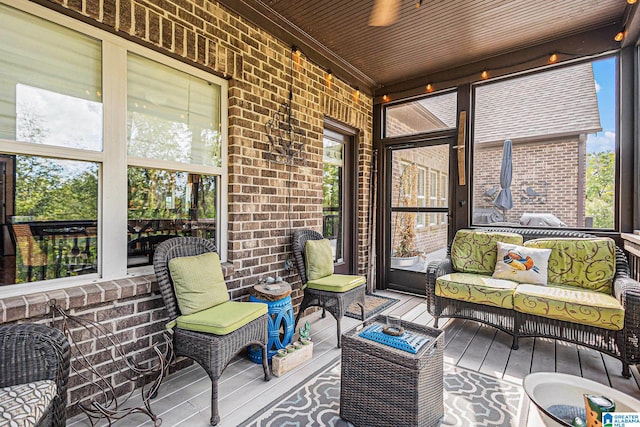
x=557 y=102
x=552 y=103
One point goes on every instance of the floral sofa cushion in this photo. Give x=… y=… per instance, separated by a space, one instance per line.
x=475 y=251
x=25 y=404
x=476 y=288
x=571 y=304
x=585 y=263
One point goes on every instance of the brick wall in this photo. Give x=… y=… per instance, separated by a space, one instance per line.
x=555 y=163
x=257 y=65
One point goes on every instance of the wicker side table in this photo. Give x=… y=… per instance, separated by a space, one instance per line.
x=385 y=386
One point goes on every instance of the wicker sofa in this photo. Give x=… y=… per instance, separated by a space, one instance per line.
x=563 y=313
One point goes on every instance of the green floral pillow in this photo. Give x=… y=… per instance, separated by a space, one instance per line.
x=475 y=251
x=585 y=263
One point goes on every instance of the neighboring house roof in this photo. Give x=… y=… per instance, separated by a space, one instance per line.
x=550 y=104
x=553 y=103
x=415 y=118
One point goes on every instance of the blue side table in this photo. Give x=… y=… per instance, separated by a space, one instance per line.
x=277 y=296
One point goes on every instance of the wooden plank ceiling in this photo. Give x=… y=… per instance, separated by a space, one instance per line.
x=439 y=35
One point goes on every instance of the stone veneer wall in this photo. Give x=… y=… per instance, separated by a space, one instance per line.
x=257 y=65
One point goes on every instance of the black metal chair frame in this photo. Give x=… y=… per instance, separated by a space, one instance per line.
x=212 y=352
x=335 y=303
x=32 y=352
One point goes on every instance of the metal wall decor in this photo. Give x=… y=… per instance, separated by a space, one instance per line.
x=106 y=404
x=286 y=139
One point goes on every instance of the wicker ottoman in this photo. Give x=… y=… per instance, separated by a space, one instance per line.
x=384 y=386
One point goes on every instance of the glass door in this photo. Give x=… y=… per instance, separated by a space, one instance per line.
x=418 y=221
x=338 y=198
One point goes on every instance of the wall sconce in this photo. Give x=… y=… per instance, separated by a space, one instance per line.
x=484 y=75
x=429 y=88
x=553 y=58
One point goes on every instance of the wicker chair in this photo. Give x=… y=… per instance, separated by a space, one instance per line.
x=335 y=303
x=212 y=352
x=29 y=353
x=30 y=251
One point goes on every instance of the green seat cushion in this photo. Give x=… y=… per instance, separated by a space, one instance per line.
x=571 y=304
x=585 y=263
x=477 y=288
x=318 y=258
x=223 y=318
x=337 y=283
x=198 y=282
x=475 y=251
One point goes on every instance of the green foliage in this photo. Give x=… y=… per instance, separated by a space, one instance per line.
x=600 y=191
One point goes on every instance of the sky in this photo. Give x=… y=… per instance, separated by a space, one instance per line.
x=604 y=72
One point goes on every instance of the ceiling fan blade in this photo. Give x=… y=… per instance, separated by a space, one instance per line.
x=384 y=12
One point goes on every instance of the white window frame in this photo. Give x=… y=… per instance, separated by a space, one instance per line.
x=433 y=195
x=421 y=195
x=112 y=198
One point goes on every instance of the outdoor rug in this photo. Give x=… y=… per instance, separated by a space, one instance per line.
x=470 y=399
x=373 y=304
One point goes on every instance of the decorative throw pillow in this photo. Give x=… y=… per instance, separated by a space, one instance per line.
x=521 y=264
x=318 y=257
x=198 y=282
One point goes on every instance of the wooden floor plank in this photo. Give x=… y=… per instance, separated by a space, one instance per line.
x=184 y=397
x=519 y=363
x=567 y=360
x=454 y=350
x=592 y=365
x=498 y=355
x=477 y=349
x=544 y=355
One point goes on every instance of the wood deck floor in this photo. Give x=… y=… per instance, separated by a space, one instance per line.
x=184 y=397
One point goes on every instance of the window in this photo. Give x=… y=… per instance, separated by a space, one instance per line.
x=64 y=179
x=435 y=112
x=562 y=126
x=433 y=195
x=444 y=190
x=422 y=191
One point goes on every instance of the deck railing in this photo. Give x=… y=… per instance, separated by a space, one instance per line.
x=632 y=246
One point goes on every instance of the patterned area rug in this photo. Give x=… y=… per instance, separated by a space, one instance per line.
x=373 y=304
x=470 y=399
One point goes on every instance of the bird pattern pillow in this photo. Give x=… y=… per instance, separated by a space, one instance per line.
x=521 y=264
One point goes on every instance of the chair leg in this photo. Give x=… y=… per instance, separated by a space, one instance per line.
x=265 y=363
x=338 y=327
x=435 y=321
x=215 y=416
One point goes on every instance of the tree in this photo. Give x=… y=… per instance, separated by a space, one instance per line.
x=600 y=188
x=405 y=228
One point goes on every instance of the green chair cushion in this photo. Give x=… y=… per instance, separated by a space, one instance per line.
x=318 y=258
x=224 y=318
x=571 y=304
x=337 y=283
x=585 y=263
x=198 y=282
x=476 y=288
x=474 y=251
